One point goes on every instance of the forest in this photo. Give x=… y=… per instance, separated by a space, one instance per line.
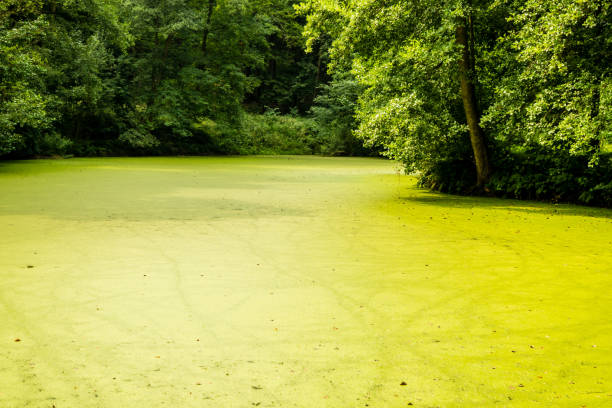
x=497 y=97
x=305 y=203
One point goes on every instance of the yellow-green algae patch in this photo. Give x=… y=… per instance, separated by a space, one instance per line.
x=293 y=282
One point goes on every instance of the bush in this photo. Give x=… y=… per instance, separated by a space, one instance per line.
x=541 y=173
x=450 y=176
x=333 y=113
x=534 y=172
x=54 y=144
x=268 y=133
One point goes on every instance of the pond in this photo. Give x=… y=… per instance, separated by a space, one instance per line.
x=293 y=282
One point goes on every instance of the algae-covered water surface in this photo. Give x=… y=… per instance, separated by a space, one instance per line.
x=293 y=282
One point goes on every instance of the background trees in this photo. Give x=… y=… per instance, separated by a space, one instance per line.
x=95 y=77
x=504 y=96
x=552 y=92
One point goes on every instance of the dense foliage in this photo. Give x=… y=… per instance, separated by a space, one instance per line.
x=501 y=96
x=99 y=77
x=504 y=96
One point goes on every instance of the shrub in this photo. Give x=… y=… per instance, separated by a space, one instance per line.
x=534 y=172
x=541 y=173
x=270 y=133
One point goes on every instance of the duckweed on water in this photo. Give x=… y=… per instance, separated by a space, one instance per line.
x=293 y=281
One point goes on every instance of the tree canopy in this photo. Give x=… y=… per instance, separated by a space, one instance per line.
x=141 y=75
x=471 y=93
x=500 y=96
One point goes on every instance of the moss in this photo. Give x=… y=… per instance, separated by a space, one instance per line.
x=292 y=281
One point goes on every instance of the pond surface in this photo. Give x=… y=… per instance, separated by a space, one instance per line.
x=293 y=282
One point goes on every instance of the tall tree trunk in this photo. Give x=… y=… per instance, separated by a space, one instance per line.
x=318 y=76
x=154 y=68
x=595 y=142
x=77 y=127
x=595 y=99
x=211 y=7
x=470 y=106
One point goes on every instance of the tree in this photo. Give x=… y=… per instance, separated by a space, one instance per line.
x=289 y=77
x=334 y=114
x=417 y=60
x=188 y=63
x=553 y=84
x=23 y=102
x=467 y=77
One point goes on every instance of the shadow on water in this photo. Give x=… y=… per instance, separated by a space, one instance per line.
x=10 y=167
x=177 y=209
x=502 y=204
x=32 y=167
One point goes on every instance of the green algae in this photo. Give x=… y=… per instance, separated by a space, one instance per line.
x=293 y=281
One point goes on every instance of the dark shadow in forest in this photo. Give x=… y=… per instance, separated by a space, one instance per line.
x=502 y=204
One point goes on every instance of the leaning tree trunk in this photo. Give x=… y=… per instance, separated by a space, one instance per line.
x=468 y=95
